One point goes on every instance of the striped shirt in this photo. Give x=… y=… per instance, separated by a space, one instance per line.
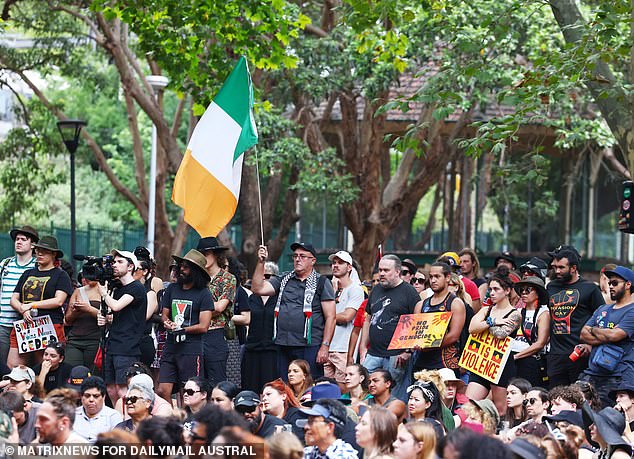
x=11 y=272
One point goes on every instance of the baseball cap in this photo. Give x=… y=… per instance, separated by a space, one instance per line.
x=319 y=410
x=569 y=416
x=77 y=376
x=622 y=272
x=342 y=255
x=129 y=255
x=246 y=398
x=20 y=373
x=453 y=256
x=305 y=246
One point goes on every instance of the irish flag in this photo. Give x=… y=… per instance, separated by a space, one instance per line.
x=207 y=184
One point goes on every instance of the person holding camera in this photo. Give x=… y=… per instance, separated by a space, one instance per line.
x=186 y=314
x=128 y=304
x=84 y=334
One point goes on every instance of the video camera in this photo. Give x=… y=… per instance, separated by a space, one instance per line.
x=97 y=268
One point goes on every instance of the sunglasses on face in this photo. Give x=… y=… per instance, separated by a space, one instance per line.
x=614 y=283
x=375 y=281
x=405 y=272
x=529 y=401
x=133 y=399
x=246 y=409
x=418 y=280
x=190 y=392
x=527 y=290
x=301 y=256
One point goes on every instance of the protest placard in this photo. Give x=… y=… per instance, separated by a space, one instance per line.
x=424 y=330
x=486 y=355
x=34 y=336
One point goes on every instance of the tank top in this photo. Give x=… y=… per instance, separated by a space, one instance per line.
x=446 y=357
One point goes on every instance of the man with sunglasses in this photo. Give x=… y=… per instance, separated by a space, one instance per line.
x=247 y=404
x=304 y=312
x=537 y=404
x=186 y=314
x=572 y=301
x=610 y=332
x=93 y=416
x=323 y=431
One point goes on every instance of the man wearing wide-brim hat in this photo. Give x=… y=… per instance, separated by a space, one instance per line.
x=610 y=332
x=40 y=291
x=11 y=268
x=223 y=286
x=186 y=313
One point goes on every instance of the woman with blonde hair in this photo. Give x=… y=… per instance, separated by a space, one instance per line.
x=456 y=286
x=376 y=433
x=284 y=445
x=415 y=440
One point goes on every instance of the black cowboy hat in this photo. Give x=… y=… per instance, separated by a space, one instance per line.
x=410 y=265
x=209 y=243
x=537 y=284
x=27 y=231
x=49 y=243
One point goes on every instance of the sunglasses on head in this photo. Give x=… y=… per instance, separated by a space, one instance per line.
x=245 y=409
x=190 y=392
x=132 y=399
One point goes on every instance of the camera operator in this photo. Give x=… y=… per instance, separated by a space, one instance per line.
x=186 y=314
x=128 y=304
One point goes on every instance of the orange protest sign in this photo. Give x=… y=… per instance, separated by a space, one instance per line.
x=425 y=330
x=486 y=355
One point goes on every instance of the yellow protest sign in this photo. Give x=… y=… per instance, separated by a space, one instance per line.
x=486 y=355
x=426 y=330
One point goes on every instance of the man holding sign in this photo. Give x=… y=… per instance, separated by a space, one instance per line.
x=390 y=299
x=448 y=355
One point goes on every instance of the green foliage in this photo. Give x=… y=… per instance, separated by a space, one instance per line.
x=196 y=42
x=27 y=167
x=321 y=175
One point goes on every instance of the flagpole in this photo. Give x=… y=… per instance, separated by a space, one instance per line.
x=257 y=174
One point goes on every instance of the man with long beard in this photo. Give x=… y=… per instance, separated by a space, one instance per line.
x=187 y=307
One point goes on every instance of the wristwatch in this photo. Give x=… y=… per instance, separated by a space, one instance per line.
x=325 y=343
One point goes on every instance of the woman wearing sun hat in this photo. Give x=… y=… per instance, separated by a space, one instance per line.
x=604 y=429
x=41 y=291
x=534 y=332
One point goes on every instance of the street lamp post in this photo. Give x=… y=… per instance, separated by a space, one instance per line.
x=157 y=82
x=70 y=130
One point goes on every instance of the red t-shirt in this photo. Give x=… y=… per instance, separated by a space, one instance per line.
x=471 y=288
x=360 y=317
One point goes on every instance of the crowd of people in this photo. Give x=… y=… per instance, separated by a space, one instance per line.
x=116 y=355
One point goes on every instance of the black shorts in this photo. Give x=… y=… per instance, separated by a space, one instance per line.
x=507 y=374
x=115 y=367
x=179 y=368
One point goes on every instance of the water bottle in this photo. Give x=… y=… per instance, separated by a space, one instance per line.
x=33 y=311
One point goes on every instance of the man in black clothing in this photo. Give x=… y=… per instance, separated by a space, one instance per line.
x=128 y=304
x=572 y=302
x=186 y=313
x=247 y=403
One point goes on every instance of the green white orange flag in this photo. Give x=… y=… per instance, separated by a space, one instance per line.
x=207 y=184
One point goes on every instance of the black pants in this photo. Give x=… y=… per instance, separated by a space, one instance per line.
x=562 y=371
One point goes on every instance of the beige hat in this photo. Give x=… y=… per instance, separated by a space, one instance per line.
x=196 y=258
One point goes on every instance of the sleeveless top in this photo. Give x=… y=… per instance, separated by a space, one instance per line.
x=446 y=357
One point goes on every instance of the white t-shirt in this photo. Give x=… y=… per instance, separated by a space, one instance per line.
x=520 y=342
x=351 y=297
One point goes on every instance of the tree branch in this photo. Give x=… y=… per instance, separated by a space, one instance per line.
x=137 y=147
x=99 y=38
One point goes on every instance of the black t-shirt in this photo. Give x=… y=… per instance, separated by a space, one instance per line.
x=260 y=337
x=241 y=305
x=35 y=285
x=127 y=326
x=54 y=378
x=268 y=426
x=385 y=306
x=291 y=417
x=570 y=305
x=185 y=307
x=479 y=281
